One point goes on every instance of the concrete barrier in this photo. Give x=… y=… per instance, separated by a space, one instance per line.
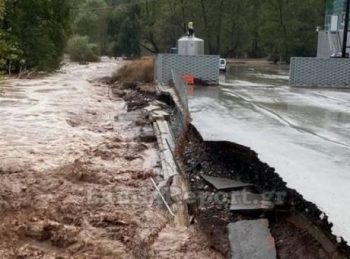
x=205 y=67
x=320 y=72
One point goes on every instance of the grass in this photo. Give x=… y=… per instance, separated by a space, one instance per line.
x=140 y=70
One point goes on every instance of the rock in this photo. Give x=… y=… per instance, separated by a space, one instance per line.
x=251 y=239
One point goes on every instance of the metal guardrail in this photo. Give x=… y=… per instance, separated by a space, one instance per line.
x=181 y=89
x=181 y=113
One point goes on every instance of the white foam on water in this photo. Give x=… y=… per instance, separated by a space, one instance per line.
x=49 y=121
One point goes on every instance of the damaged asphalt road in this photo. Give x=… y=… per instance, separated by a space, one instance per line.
x=302 y=133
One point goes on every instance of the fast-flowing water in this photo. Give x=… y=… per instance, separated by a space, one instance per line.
x=50 y=120
x=303 y=133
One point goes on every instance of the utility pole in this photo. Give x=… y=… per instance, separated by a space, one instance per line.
x=346 y=29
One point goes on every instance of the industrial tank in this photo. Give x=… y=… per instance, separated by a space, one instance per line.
x=190 y=46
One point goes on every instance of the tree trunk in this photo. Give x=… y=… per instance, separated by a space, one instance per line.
x=183 y=15
x=206 y=25
x=151 y=39
x=218 y=31
x=284 y=31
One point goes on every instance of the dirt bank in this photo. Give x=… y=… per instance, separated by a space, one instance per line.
x=291 y=222
x=75 y=168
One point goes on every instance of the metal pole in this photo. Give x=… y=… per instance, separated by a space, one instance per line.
x=346 y=28
x=162 y=197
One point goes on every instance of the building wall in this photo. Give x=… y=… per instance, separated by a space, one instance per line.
x=329 y=43
x=330 y=40
x=335 y=7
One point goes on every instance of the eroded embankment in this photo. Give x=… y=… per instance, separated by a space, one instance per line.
x=75 y=170
x=300 y=229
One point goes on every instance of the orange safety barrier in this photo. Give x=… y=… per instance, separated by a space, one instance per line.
x=189 y=79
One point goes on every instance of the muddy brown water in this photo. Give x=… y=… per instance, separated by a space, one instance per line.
x=75 y=173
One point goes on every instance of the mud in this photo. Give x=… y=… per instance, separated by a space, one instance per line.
x=83 y=189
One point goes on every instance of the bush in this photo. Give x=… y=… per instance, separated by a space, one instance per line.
x=34 y=33
x=80 y=49
x=140 y=70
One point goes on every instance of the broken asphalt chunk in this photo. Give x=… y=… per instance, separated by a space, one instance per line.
x=251 y=239
x=224 y=183
x=247 y=201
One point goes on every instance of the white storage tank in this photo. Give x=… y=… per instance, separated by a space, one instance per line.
x=190 y=46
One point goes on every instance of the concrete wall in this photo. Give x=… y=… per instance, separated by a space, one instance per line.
x=325 y=41
x=320 y=72
x=329 y=43
x=335 y=7
x=205 y=67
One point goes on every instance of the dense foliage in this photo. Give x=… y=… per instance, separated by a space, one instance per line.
x=80 y=49
x=34 y=33
x=276 y=29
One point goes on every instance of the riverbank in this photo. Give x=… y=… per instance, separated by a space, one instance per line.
x=77 y=170
x=76 y=161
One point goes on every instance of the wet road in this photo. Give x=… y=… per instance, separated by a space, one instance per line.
x=303 y=133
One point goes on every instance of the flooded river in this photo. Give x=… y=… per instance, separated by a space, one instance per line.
x=303 y=133
x=75 y=171
x=46 y=122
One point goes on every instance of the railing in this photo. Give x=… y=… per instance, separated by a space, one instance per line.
x=181 y=113
x=181 y=90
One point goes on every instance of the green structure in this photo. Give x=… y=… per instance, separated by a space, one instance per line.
x=335 y=13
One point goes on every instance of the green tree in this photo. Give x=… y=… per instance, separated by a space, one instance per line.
x=128 y=42
x=80 y=49
x=2 y=9
x=232 y=28
x=91 y=20
x=115 y=21
x=289 y=27
x=38 y=29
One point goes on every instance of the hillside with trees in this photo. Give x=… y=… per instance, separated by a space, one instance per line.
x=277 y=29
x=34 y=33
